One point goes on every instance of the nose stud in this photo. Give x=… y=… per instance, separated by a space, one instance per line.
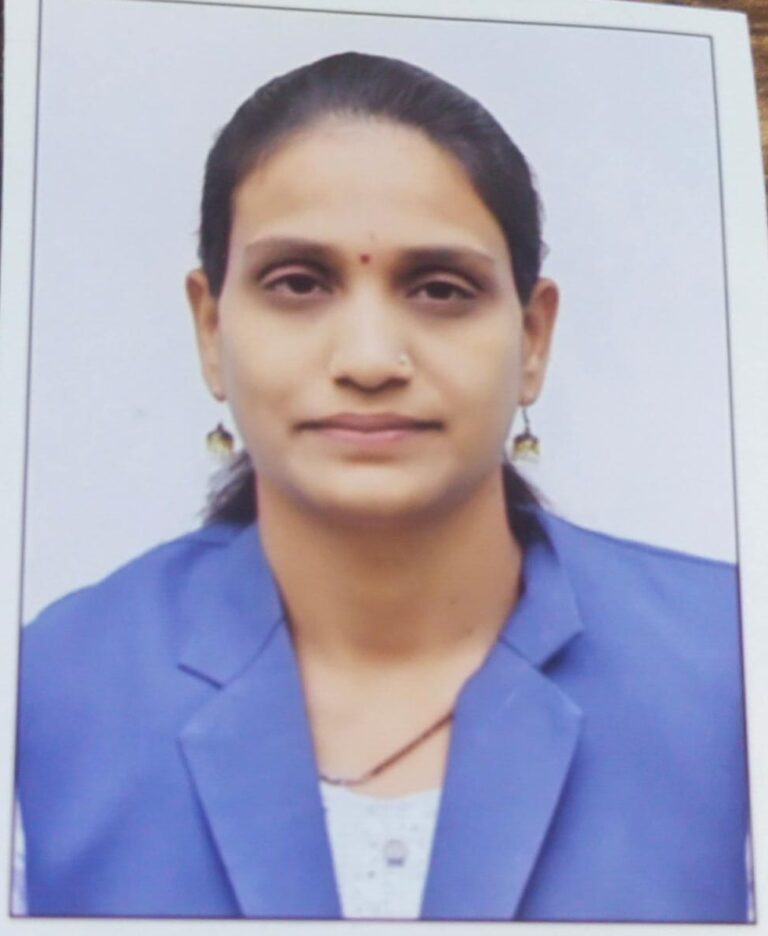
x=403 y=360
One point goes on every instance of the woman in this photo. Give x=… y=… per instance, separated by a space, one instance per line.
x=407 y=690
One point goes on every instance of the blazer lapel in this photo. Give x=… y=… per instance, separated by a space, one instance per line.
x=249 y=748
x=514 y=736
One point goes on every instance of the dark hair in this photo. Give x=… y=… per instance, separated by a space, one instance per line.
x=369 y=86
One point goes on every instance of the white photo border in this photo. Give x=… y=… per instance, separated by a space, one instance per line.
x=745 y=244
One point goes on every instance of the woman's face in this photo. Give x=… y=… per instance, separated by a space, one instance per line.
x=368 y=335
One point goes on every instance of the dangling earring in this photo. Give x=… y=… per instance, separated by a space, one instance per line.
x=220 y=442
x=526 y=446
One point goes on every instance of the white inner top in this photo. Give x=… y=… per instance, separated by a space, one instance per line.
x=381 y=850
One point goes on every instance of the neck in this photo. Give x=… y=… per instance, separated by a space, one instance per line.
x=436 y=590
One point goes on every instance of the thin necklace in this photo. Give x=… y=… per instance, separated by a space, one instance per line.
x=388 y=761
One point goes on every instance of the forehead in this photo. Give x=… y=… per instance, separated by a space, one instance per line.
x=347 y=175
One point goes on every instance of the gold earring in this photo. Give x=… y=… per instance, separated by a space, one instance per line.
x=220 y=442
x=526 y=446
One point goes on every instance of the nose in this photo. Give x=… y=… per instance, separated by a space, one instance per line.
x=369 y=348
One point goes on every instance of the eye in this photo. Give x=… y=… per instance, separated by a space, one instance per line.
x=440 y=291
x=295 y=284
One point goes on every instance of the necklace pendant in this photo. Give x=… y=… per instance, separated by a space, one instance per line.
x=395 y=853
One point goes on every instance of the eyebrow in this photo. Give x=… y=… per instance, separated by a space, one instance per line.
x=280 y=248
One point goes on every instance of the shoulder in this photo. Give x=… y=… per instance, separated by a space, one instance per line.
x=153 y=586
x=154 y=564
x=656 y=607
x=588 y=553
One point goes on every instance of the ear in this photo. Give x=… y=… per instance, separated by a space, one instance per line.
x=539 y=318
x=205 y=312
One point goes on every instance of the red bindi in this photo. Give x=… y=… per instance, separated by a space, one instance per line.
x=365 y=258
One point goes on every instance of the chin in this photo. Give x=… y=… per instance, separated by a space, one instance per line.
x=380 y=498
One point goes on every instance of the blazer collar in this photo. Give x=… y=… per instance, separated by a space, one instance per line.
x=546 y=617
x=233 y=604
x=250 y=753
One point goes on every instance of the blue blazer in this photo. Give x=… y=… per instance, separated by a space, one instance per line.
x=596 y=770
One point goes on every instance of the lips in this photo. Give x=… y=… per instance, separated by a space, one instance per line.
x=371 y=423
x=370 y=431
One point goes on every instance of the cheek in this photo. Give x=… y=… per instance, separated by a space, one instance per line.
x=242 y=345
x=486 y=391
x=244 y=366
x=257 y=386
x=267 y=366
x=488 y=368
